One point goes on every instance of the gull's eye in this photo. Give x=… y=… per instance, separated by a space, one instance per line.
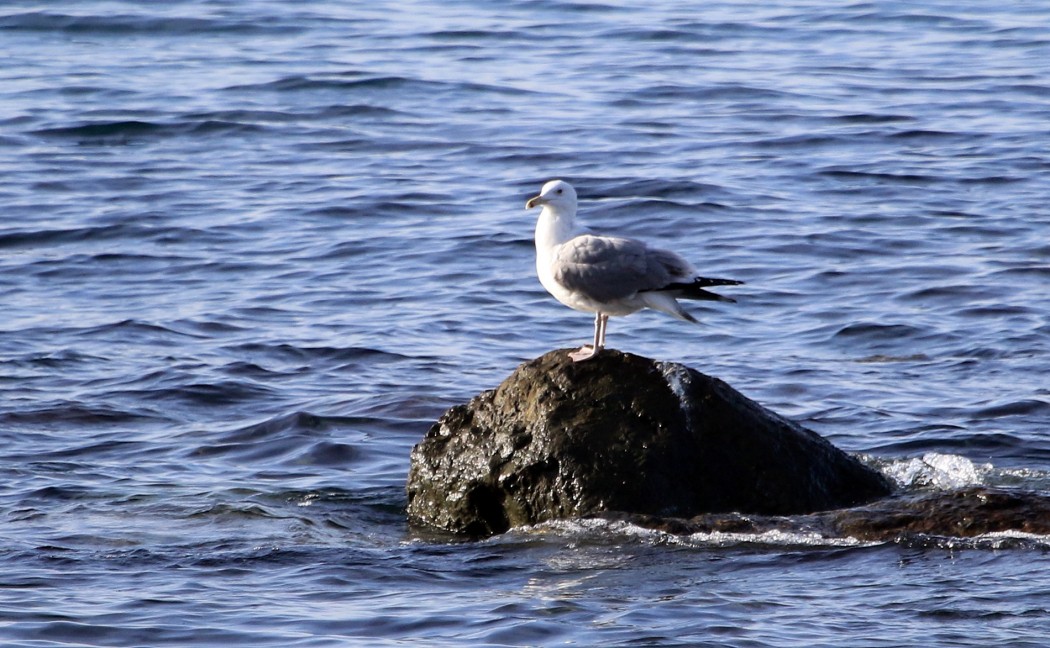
x=558 y=191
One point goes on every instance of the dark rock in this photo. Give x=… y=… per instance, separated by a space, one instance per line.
x=963 y=513
x=620 y=432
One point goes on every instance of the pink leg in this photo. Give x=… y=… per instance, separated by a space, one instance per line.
x=587 y=352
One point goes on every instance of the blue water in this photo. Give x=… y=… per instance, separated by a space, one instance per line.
x=250 y=251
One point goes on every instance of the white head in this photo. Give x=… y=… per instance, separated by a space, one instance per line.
x=558 y=195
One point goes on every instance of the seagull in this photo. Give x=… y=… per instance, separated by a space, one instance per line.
x=608 y=275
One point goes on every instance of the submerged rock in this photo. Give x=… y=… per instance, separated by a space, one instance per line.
x=623 y=433
x=961 y=513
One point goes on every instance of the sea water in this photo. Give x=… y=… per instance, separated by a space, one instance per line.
x=250 y=251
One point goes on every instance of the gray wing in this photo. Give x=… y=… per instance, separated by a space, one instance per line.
x=607 y=268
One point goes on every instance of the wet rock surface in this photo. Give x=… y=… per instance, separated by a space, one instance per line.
x=962 y=513
x=626 y=434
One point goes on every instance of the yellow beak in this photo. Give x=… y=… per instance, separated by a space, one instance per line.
x=536 y=200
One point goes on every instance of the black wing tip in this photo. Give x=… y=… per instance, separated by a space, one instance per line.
x=710 y=296
x=695 y=289
x=704 y=282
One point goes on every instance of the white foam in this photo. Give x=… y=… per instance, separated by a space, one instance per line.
x=999 y=539
x=994 y=541
x=606 y=528
x=774 y=538
x=937 y=471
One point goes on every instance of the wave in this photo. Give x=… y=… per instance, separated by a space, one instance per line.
x=134 y=329
x=297 y=439
x=364 y=81
x=602 y=529
x=35 y=237
x=285 y=352
x=344 y=81
x=133 y=130
x=122 y=24
x=903 y=178
x=78 y=414
x=877 y=332
x=1021 y=407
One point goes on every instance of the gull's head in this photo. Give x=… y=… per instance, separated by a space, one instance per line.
x=558 y=194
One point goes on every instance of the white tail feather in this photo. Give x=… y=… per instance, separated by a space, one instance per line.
x=666 y=303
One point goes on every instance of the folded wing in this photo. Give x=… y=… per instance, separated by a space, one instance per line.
x=607 y=268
